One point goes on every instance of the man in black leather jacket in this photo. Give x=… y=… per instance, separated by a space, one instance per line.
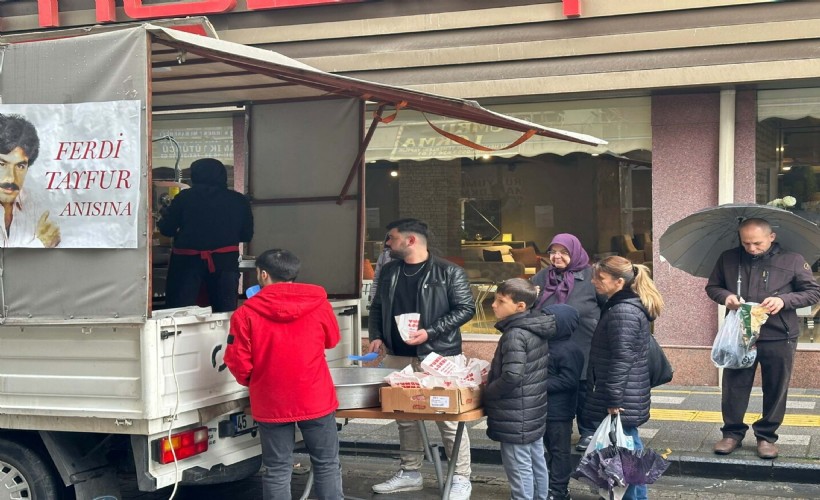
x=417 y=282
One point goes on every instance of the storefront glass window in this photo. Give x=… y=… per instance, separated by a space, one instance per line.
x=519 y=198
x=788 y=164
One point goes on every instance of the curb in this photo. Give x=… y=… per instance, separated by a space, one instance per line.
x=691 y=464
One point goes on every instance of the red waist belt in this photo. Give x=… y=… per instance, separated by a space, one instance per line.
x=206 y=254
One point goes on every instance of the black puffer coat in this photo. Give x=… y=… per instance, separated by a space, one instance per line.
x=565 y=364
x=584 y=299
x=618 y=374
x=515 y=399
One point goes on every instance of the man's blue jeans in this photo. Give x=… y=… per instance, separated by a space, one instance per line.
x=322 y=442
x=635 y=492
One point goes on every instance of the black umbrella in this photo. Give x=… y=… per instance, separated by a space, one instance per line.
x=694 y=243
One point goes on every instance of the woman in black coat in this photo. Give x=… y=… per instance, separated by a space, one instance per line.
x=618 y=372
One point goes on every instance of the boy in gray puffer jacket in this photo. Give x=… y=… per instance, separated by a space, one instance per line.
x=515 y=399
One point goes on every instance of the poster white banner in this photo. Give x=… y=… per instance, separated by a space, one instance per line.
x=70 y=174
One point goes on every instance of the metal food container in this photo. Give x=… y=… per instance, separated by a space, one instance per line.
x=359 y=387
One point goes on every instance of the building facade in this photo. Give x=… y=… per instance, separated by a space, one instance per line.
x=719 y=98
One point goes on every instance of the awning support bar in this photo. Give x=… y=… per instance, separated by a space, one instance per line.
x=377 y=117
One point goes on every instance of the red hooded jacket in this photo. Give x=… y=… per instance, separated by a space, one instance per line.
x=276 y=347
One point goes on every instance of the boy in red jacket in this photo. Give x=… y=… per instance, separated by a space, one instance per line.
x=276 y=347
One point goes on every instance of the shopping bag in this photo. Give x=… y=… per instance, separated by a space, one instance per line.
x=660 y=369
x=610 y=433
x=731 y=348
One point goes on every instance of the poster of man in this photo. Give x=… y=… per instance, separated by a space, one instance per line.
x=70 y=175
x=19 y=148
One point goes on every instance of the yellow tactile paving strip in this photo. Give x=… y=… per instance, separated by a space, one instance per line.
x=790 y=420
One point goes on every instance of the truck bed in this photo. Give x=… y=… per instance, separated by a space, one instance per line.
x=129 y=379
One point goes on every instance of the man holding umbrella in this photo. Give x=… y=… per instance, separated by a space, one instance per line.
x=781 y=281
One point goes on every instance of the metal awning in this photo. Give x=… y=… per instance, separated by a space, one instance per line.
x=191 y=68
x=196 y=71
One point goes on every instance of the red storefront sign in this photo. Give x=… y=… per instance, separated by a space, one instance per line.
x=48 y=14
x=572 y=8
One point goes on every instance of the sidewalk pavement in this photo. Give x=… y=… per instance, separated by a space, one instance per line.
x=685 y=420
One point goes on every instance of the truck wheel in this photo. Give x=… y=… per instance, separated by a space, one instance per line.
x=25 y=475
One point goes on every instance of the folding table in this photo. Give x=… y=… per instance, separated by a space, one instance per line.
x=430 y=451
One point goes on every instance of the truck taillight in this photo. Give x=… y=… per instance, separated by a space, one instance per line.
x=185 y=444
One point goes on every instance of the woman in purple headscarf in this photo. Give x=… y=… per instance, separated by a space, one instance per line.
x=568 y=280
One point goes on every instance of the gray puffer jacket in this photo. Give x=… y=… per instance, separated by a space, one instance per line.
x=515 y=399
x=618 y=372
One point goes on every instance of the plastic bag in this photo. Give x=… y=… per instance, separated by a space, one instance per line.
x=729 y=349
x=609 y=433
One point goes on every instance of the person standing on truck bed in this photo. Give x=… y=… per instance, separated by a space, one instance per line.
x=23 y=225
x=276 y=347
x=418 y=282
x=207 y=222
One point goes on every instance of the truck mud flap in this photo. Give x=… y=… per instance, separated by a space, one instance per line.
x=87 y=469
x=102 y=484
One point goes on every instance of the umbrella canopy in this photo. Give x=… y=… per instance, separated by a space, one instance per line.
x=694 y=243
x=601 y=469
x=610 y=470
x=643 y=466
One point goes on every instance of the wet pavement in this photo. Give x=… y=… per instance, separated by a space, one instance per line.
x=685 y=420
x=490 y=483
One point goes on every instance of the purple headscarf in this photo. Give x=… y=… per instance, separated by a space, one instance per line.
x=557 y=282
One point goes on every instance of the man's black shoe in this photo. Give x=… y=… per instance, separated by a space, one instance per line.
x=583 y=443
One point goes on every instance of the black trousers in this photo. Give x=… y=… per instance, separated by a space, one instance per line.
x=557 y=444
x=776 y=360
x=187 y=274
x=585 y=427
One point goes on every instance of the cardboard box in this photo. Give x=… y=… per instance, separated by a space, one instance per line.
x=456 y=400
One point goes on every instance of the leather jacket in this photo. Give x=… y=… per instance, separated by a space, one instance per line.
x=445 y=303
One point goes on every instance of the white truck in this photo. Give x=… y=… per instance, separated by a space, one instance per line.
x=94 y=379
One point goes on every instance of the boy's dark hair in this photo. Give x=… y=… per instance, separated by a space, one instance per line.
x=281 y=265
x=519 y=290
x=410 y=226
x=16 y=131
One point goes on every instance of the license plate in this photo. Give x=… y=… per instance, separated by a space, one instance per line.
x=243 y=423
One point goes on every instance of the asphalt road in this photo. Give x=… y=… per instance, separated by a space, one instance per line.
x=489 y=482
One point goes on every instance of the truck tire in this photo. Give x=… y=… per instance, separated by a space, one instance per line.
x=25 y=475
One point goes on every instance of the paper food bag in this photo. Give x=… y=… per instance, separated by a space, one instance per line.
x=408 y=324
x=436 y=364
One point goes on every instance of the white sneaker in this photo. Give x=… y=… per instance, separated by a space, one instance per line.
x=461 y=488
x=404 y=480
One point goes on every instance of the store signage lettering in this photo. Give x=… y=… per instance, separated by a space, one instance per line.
x=49 y=16
x=106 y=12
